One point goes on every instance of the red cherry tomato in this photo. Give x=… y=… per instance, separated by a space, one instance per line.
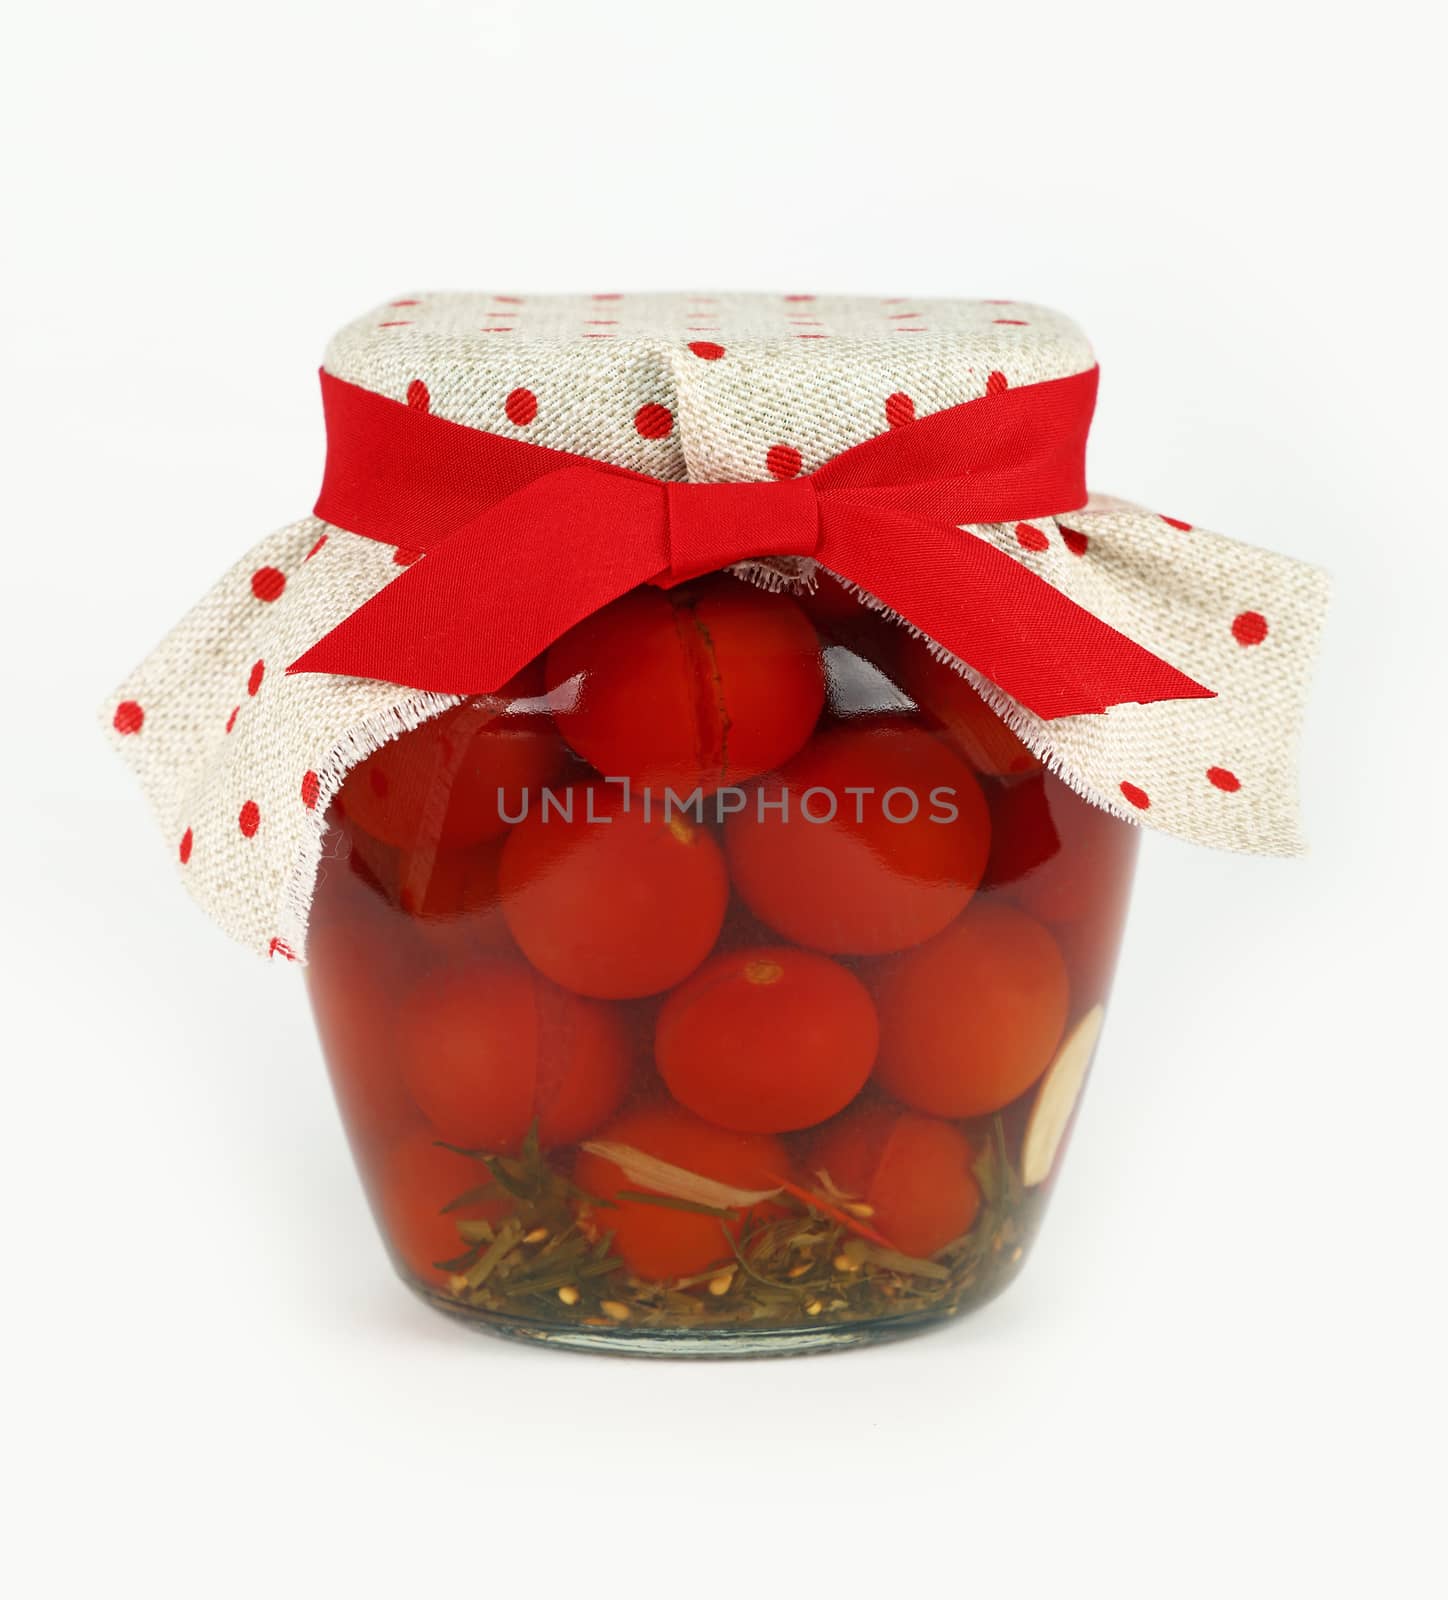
x=899 y=859
x=356 y=975
x=914 y=1171
x=418 y=1178
x=698 y=686
x=442 y=782
x=488 y=1048
x=656 y=1241
x=613 y=903
x=971 y=1019
x=967 y=722
x=767 y=1039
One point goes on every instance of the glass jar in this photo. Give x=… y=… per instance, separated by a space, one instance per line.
x=727 y=986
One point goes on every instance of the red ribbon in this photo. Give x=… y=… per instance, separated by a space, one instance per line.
x=520 y=543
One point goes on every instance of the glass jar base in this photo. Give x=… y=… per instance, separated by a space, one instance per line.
x=707 y=1343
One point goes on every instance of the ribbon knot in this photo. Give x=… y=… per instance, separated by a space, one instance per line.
x=713 y=525
x=520 y=543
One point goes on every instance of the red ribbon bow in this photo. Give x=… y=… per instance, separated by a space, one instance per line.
x=521 y=542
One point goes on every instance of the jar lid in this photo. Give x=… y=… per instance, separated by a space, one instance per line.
x=706 y=388
x=240 y=757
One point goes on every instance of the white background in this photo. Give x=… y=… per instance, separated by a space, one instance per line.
x=1222 y=1371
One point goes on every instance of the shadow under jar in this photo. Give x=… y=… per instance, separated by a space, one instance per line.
x=727 y=986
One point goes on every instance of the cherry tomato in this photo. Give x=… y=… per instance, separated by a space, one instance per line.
x=442 y=782
x=656 y=1241
x=767 y=1039
x=884 y=842
x=489 y=1047
x=613 y=903
x=968 y=723
x=418 y=1178
x=971 y=1019
x=698 y=686
x=914 y=1171
x=356 y=974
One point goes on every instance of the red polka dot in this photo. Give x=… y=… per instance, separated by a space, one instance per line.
x=310 y=553
x=1138 y=797
x=231 y=720
x=184 y=848
x=1220 y=778
x=521 y=406
x=280 y=947
x=403 y=557
x=402 y=302
x=1030 y=538
x=608 y=297
x=249 y=819
x=783 y=461
x=796 y=299
x=1172 y=522
x=258 y=672
x=267 y=583
x=654 y=422
x=706 y=351
x=418 y=396
x=1075 y=542
x=128 y=718
x=904 y=316
x=1011 y=322
x=1249 y=627
x=899 y=409
x=402 y=324
x=996 y=383
x=311 y=788
x=509 y=299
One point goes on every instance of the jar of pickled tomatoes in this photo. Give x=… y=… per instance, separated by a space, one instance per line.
x=730 y=983
x=695 y=747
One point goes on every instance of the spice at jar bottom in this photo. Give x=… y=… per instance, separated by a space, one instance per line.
x=702 y=777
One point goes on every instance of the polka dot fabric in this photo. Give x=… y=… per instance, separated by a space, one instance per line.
x=1218 y=772
x=240 y=761
x=700 y=387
